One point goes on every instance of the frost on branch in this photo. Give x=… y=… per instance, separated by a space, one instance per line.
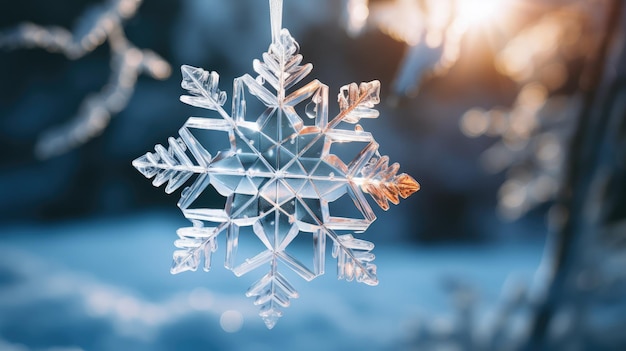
x=279 y=175
x=99 y=24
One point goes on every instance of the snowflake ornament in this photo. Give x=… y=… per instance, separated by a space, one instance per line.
x=280 y=176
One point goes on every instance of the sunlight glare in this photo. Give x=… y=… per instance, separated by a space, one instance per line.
x=472 y=12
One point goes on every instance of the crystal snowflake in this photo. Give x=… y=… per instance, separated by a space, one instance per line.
x=280 y=175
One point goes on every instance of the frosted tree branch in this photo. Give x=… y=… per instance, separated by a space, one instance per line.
x=99 y=24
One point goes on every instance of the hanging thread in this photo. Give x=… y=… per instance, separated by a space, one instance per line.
x=276 y=18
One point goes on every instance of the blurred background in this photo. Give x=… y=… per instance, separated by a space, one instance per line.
x=510 y=114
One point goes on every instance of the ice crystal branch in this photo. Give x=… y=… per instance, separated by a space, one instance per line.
x=99 y=24
x=354 y=259
x=382 y=183
x=195 y=243
x=279 y=174
x=281 y=64
x=357 y=102
x=203 y=87
x=272 y=293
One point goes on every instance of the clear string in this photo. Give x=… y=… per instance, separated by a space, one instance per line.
x=276 y=18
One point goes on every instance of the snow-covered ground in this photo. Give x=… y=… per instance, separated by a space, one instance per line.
x=104 y=284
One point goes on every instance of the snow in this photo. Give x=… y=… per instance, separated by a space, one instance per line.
x=104 y=284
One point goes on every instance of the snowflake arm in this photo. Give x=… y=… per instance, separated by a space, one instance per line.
x=357 y=102
x=382 y=183
x=272 y=293
x=281 y=64
x=194 y=243
x=203 y=87
x=354 y=259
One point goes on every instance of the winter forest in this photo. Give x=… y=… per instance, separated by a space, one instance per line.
x=466 y=192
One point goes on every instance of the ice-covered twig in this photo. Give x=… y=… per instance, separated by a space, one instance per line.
x=99 y=24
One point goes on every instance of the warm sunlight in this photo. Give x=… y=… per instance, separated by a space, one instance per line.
x=472 y=12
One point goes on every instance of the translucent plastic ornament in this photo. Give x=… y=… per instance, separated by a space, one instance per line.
x=281 y=175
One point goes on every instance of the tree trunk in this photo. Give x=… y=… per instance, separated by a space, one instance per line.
x=594 y=183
